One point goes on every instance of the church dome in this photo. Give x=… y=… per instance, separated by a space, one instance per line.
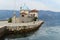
x=24 y=7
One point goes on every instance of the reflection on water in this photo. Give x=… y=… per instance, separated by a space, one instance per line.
x=44 y=33
x=13 y=36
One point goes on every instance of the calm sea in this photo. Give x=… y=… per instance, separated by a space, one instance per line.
x=50 y=30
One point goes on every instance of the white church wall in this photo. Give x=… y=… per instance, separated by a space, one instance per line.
x=25 y=11
x=36 y=14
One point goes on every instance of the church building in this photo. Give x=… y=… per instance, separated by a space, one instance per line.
x=26 y=15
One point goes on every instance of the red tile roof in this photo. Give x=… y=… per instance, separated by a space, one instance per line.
x=34 y=10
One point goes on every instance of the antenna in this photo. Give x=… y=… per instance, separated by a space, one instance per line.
x=14 y=12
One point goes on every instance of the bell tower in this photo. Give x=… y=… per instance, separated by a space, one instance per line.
x=24 y=11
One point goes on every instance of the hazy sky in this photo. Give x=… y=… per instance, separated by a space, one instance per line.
x=53 y=5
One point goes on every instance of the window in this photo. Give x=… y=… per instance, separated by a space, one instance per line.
x=33 y=14
x=22 y=15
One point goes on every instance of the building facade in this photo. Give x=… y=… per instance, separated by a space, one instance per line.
x=26 y=15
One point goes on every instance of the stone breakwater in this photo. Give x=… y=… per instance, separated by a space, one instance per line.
x=2 y=31
x=12 y=28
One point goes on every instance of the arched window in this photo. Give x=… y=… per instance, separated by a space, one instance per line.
x=22 y=15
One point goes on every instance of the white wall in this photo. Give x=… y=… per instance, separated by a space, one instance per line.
x=36 y=14
x=25 y=11
x=13 y=19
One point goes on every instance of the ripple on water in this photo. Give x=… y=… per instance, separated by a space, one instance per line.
x=44 y=33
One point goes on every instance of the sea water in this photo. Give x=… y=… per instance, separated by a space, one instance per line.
x=48 y=31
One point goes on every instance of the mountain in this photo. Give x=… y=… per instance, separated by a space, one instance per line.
x=44 y=15
x=4 y=14
x=49 y=17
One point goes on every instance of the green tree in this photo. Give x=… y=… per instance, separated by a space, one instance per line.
x=9 y=20
x=35 y=18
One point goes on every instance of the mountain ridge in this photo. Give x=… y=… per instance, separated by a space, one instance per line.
x=44 y=15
